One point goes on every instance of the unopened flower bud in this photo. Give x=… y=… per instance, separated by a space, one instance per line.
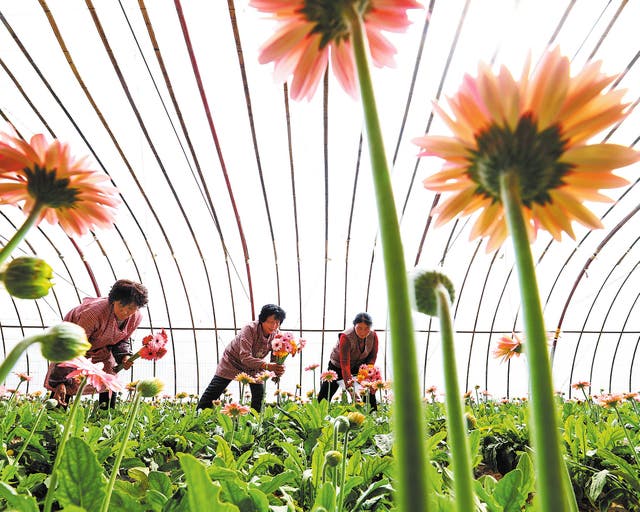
x=472 y=423
x=27 y=277
x=50 y=403
x=424 y=289
x=63 y=342
x=355 y=419
x=150 y=387
x=341 y=424
x=332 y=458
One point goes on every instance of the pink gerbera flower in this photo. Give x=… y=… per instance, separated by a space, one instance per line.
x=99 y=379
x=312 y=32
x=44 y=177
x=234 y=410
x=311 y=367
x=328 y=376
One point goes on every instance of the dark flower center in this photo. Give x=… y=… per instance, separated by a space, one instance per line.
x=46 y=188
x=532 y=154
x=331 y=17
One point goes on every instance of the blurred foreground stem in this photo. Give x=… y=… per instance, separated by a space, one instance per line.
x=545 y=434
x=411 y=468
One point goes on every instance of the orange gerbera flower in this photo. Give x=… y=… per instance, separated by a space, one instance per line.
x=44 y=176
x=508 y=346
x=313 y=31
x=536 y=128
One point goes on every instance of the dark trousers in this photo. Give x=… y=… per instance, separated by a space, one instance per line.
x=107 y=402
x=328 y=389
x=217 y=386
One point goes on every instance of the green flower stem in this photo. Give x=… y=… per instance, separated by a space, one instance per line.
x=411 y=472
x=456 y=431
x=545 y=434
x=14 y=355
x=133 y=412
x=626 y=433
x=21 y=233
x=53 y=482
x=28 y=440
x=343 y=472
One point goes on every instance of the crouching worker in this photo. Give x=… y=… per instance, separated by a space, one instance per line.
x=247 y=353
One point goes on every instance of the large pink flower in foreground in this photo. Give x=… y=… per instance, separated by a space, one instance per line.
x=45 y=176
x=537 y=129
x=313 y=31
x=99 y=379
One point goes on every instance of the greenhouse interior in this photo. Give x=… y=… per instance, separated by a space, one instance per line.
x=306 y=255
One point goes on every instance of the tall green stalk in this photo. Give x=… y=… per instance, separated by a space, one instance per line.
x=545 y=434
x=456 y=428
x=21 y=233
x=53 y=482
x=407 y=412
x=133 y=412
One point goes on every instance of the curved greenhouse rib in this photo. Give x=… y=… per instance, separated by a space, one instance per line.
x=207 y=110
x=615 y=352
x=414 y=76
x=588 y=314
x=443 y=76
x=254 y=138
x=67 y=55
x=583 y=271
x=145 y=132
x=612 y=22
x=604 y=321
x=285 y=98
x=325 y=145
x=349 y=227
x=202 y=184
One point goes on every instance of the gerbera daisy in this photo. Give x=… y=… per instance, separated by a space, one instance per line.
x=508 y=346
x=99 y=379
x=313 y=31
x=51 y=184
x=235 y=410
x=581 y=385
x=535 y=129
x=328 y=376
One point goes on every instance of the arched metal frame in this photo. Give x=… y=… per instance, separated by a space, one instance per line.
x=218 y=170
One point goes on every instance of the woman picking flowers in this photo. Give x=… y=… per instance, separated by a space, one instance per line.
x=109 y=323
x=246 y=353
x=357 y=346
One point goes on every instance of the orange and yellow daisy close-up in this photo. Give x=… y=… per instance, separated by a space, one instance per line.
x=537 y=128
x=43 y=177
x=312 y=32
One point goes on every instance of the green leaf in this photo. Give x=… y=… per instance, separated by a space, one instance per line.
x=508 y=492
x=80 y=477
x=161 y=483
x=18 y=502
x=223 y=450
x=326 y=497
x=598 y=482
x=202 y=493
x=268 y=484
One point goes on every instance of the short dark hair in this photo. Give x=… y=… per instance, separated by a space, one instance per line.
x=129 y=292
x=363 y=318
x=272 y=309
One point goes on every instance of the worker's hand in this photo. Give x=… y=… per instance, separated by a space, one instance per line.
x=276 y=368
x=126 y=364
x=60 y=394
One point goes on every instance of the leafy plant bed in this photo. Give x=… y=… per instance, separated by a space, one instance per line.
x=298 y=456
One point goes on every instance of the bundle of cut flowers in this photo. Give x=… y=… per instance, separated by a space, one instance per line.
x=153 y=348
